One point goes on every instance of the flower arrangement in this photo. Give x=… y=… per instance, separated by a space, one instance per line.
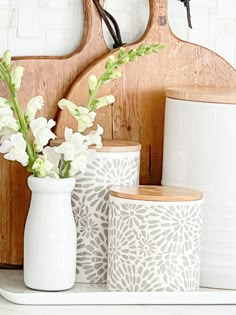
x=24 y=138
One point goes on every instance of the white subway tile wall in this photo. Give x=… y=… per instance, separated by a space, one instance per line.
x=55 y=27
x=214 y=25
x=40 y=27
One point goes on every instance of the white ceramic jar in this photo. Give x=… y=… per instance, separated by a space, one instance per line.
x=117 y=162
x=200 y=152
x=154 y=239
x=50 y=235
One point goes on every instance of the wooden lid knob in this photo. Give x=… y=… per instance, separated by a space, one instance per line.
x=156 y=193
x=109 y=145
x=203 y=94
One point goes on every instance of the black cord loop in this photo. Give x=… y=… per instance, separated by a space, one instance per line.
x=187 y=5
x=115 y=33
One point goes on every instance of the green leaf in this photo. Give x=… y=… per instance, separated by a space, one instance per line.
x=133 y=58
x=122 y=52
x=108 y=65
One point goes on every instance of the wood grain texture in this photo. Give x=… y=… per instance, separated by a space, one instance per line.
x=50 y=77
x=156 y=193
x=201 y=94
x=138 y=112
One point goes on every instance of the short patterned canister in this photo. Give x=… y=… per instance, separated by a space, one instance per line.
x=117 y=162
x=154 y=239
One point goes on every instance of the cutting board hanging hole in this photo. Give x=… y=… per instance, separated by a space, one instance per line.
x=132 y=18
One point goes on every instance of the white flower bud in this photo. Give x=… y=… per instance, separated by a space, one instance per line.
x=35 y=103
x=16 y=75
x=7 y=58
x=94 y=137
x=92 y=80
x=104 y=101
x=66 y=104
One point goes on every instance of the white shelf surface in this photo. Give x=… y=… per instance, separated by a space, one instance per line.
x=13 y=289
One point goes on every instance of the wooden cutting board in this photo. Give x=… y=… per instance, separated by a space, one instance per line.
x=50 y=77
x=138 y=112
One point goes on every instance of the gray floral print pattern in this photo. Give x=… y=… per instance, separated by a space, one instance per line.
x=154 y=246
x=90 y=203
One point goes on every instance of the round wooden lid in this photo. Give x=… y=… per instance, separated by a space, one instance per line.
x=110 y=145
x=203 y=94
x=156 y=193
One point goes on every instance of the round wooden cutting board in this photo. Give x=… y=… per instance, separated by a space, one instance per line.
x=138 y=112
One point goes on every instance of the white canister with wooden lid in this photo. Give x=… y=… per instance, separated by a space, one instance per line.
x=200 y=152
x=154 y=239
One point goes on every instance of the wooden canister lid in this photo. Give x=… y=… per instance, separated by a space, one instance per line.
x=203 y=94
x=110 y=145
x=156 y=193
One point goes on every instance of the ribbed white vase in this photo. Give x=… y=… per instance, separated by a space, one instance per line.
x=50 y=235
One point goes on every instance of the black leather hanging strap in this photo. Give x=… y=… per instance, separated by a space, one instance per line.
x=113 y=30
x=187 y=5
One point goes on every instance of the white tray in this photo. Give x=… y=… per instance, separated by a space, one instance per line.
x=13 y=289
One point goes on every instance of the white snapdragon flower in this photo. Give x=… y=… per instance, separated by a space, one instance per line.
x=104 y=101
x=81 y=161
x=94 y=137
x=5 y=133
x=52 y=156
x=84 y=117
x=73 y=146
x=42 y=167
x=66 y=104
x=16 y=75
x=7 y=119
x=75 y=150
x=41 y=129
x=35 y=103
x=47 y=164
x=3 y=102
x=15 y=149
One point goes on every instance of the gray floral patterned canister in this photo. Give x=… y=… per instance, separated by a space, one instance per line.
x=116 y=163
x=154 y=239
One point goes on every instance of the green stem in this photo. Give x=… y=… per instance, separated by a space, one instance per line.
x=99 y=83
x=122 y=59
x=94 y=92
x=66 y=170
x=21 y=119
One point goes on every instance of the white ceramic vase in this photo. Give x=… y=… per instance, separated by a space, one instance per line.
x=50 y=235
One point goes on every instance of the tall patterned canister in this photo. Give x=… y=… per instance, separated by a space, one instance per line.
x=154 y=239
x=117 y=162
